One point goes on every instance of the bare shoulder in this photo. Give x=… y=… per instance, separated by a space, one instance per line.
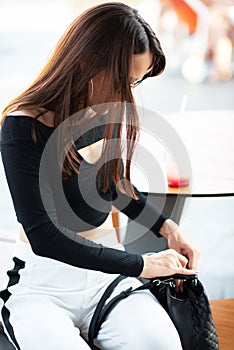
x=46 y=118
x=22 y=112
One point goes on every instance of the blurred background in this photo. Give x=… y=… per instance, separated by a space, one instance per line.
x=197 y=37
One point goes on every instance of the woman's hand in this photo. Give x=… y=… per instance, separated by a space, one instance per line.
x=180 y=258
x=177 y=241
x=165 y=263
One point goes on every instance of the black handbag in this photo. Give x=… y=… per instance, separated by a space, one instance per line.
x=189 y=310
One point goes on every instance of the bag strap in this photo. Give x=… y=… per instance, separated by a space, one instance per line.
x=92 y=327
x=103 y=310
x=113 y=302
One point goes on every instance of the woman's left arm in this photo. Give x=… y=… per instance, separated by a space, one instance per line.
x=171 y=231
x=147 y=214
x=140 y=210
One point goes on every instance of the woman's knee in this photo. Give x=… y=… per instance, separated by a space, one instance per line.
x=41 y=339
x=139 y=322
x=140 y=338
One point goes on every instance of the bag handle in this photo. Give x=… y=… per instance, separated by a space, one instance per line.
x=102 y=311
x=124 y=294
x=105 y=296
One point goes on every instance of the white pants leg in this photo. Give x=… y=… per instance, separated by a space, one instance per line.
x=49 y=305
x=40 y=324
x=138 y=322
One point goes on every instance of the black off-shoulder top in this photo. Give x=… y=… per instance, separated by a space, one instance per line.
x=53 y=212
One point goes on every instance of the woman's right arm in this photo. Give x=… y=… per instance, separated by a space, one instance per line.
x=21 y=159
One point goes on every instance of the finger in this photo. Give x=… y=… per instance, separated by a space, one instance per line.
x=196 y=260
x=183 y=261
x=193 y=258
x=184 y=271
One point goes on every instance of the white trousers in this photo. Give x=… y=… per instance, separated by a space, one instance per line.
x=49 y=305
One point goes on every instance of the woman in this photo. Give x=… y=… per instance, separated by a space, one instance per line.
x=67 y=252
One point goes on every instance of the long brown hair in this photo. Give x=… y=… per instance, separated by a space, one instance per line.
x=102 y=38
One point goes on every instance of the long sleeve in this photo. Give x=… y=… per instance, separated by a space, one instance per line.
x=21 y=159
